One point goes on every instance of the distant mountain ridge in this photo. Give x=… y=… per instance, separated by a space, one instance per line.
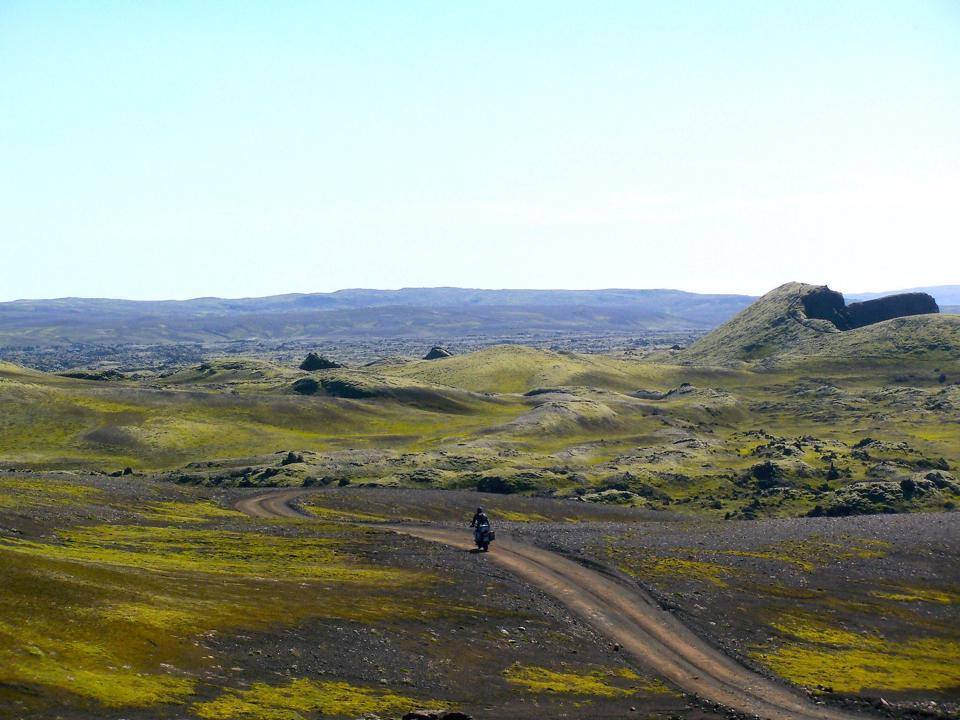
x=409 y=312
x=427 y=313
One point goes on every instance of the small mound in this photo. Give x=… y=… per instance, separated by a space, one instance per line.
x=306 y=386
x=520 y=369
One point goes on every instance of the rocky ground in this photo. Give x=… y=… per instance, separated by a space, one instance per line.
x=859 y=610
x=114 y=583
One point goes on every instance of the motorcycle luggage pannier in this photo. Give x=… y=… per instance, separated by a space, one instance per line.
x=492 y=535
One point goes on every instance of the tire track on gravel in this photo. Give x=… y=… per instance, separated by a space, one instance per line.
x=623 y=613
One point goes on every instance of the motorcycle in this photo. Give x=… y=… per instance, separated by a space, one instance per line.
x=483 y=536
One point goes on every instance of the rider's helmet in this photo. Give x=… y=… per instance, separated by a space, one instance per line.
x=479 y=510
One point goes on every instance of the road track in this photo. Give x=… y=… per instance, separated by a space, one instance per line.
x=623 y=613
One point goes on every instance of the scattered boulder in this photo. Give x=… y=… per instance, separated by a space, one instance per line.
x=437 y=715
x=884 y=470
x=318 y=362
x=941 y=480
x=612 y=497
x=437 y=353
x=767 y=474
x=779 y=448
x=887 y=496
x=928 y=464
x=509 y=484
x=292 y=458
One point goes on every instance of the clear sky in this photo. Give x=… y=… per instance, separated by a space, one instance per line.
x=171 y=149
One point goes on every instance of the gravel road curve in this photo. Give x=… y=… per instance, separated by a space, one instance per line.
x=624 y=614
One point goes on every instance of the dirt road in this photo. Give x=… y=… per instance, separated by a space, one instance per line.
x=623 y=613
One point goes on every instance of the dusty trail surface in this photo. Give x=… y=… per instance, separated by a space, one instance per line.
x=623 y=613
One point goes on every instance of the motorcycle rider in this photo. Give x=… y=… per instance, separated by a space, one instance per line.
x=479 y=520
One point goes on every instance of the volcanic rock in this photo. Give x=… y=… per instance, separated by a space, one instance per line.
x=318 y=362
x=437 y=352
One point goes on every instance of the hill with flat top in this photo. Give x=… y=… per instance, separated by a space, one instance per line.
x=797 y=321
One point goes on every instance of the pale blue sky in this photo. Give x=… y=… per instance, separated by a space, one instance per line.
x=174 y=149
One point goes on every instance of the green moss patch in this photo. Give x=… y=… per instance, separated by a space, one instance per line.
x=302 y=698
x=18 y=493
x=820 y=656
x=909 y=594
x=517 y=516
x=174 y=549
x=607 y=683
x=112 y=613
x=189 y=512
x=340 y=515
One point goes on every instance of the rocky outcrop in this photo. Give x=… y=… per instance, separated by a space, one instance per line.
x=437 y=352
x=318 y=362
x=102 y=376
x=825 y=304
x=437 y=715
x=797 y=320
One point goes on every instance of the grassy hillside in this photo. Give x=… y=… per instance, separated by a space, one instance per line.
x=217 y=410
x=765 y=328
x=779 y=330
x=517 y=369
x=930 y=340
x=815 y=431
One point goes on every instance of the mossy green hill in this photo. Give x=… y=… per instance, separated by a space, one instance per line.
x=796 y=323
x=519 y=369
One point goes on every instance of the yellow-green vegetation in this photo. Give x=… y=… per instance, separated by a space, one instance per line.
x=199 y=511
x=600 y=682
x=816 y=551
x=647 y=566
x=53 y=422
x=708 y=572
x=801 y=563
x=17 y=493
x=518 y=369
x=302 y=698
x=687 y=437
x=323 y=512
x=174 y=549
x=116 y=633
x=112 y=613
x=908 y=593
x=817 y=655
x=807 y=555
x=80 y=668
x=517 y=516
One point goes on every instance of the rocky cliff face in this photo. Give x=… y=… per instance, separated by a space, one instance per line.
x=887 y=308
x=825 y=304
